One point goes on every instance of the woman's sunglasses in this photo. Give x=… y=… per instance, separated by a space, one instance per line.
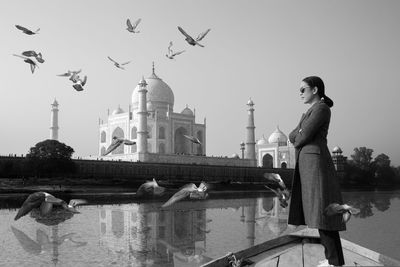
x=302 y=89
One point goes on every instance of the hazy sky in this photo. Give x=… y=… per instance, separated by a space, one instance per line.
x=257 y=49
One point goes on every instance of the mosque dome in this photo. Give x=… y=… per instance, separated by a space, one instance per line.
x=158 y=93
x=118 y=110
x=187 y=111
x=235 y=156
x=278 y=137
x=337 y=149
x=262 y=141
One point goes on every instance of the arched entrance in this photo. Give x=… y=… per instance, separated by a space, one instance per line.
x=268 y=161
x=283 y=165
x=181 y=143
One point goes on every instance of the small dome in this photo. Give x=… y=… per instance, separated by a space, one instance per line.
x=278 y=137
x=235 y=156
x=337 y=149
x=262 y=141
x=250 y=102
x=187 y=111
x=119 y=110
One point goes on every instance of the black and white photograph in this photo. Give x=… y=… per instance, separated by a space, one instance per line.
x=200 y=133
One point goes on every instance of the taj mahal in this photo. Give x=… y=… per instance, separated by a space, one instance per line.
x=160 y=133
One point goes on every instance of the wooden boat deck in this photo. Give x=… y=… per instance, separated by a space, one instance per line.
x=302 y=249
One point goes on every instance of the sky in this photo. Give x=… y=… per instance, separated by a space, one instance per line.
x=255 y=49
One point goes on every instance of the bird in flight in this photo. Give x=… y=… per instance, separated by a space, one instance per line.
x=45 y=202
x=132 y=27
x=79 y=83
x=189 y=190
x=116 y=142
x=192 y=139
x=171 y=54
x=191 y=40
x=32 y=63
x=31 y=53
x=118 y=65
x=345 y=210
x=276 y=185
x=150 y=188
x=26 y=31
x=69 y=73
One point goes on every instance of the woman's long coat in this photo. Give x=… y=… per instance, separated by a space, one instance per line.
x=315 y=183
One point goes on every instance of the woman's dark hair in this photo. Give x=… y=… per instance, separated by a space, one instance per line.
x=315 y=81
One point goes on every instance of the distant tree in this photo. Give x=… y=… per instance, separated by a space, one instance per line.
x=383 y=173
x=50 y=157
x=362 y=158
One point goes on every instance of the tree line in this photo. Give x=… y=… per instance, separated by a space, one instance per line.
x=363 y=169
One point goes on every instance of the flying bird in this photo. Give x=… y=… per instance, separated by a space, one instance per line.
x=116 y=142
x=189 y=190
x=191 y=40
x=171 y=54
x=193 y=139
x=32 y=63
x=31 y=53
x=78 y=86
x=69 y=73
x=276 y=185
x=26 y=31
x=345 y=210
x=45 y=202
x=132 y=28
x=118 y=65
x=150 y=188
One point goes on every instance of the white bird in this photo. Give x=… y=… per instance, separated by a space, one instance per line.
x=132 y=28
x=45 y=201
x=171 y=54
x=32 y=63
x=118 y=65
x=189 y=190
x=191 y=40
x=193 y=139
x=150 y=188
x=277 y=186
x=345 y=210
x=26 y=31
x=116 y=142
x=78 y=86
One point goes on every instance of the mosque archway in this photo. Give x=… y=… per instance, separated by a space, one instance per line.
x=161 y=148
x=283 y=165
x=161 y=133
x=103 y=137
x=102 y=151
x=267 y=161
x=134 y=133
x=118 y=132
x=181 y=143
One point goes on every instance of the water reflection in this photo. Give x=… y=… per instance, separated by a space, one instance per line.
x=46 y=242
x=143 y=234
x=188 y=233
x=366 y=202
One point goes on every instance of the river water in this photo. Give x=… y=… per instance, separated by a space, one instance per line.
x=188 y=233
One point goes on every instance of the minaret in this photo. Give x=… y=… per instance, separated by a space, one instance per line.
x=142 y=115
x=250 y=133
x=54 y=121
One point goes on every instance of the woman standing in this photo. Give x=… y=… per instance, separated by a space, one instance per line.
x=315 y=183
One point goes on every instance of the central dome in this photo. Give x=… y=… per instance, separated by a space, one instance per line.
x=159 y=94
x=277 y=137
